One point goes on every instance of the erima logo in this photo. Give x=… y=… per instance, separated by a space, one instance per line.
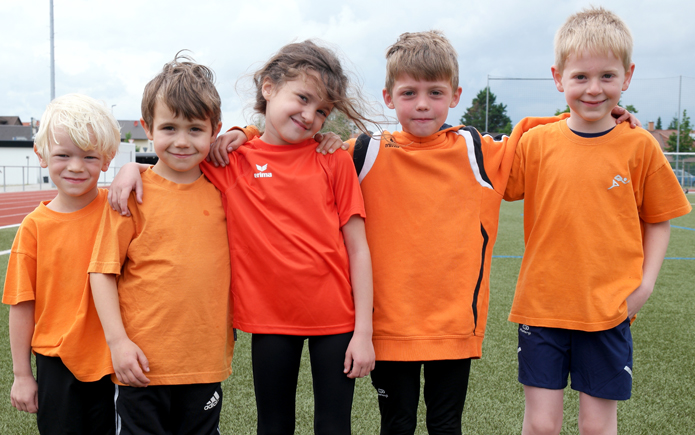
x=262 y=174
x=390 y=145
x=627 y=369
x=382 y=393
x=525 y=329
x=214 y=400
x=617 y=180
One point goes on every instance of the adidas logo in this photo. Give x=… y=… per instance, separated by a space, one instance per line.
x=214 y=400
x=617 y=180
x=262 y=173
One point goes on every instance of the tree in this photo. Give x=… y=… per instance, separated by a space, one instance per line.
x=561 y=111
x=674 y=123
x=630 y=108
x=686 y=141
x=498 y=121
x=339 y=124
x=658 y=124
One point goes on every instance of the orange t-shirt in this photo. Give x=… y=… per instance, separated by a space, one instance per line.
x=285 y=208
x=48 y=264
x=172 y=262
x=584 y=203
x=433 y=206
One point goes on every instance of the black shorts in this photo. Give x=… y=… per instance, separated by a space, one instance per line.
x=191 y=409
x=67 y=405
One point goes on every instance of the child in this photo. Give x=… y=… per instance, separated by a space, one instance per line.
x=608 y=193
x=52 y=312
x=161 y=278
x=300 y=262
x=433 y=199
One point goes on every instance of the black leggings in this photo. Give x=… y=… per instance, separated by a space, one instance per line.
x=276 y=359
x=398 y=385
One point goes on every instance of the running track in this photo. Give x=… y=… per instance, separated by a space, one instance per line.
x=15 y=205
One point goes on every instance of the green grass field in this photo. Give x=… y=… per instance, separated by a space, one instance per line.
x=663 y=396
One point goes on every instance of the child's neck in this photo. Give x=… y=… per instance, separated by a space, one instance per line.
x=64 y=203
x=580 y=125
x=186 y=177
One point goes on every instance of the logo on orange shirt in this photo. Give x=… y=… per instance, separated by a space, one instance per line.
x=262 y=173
x=617 y=180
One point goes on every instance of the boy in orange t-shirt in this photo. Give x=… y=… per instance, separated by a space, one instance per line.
x=597 y=203
x=161 y=279
x=52 y=312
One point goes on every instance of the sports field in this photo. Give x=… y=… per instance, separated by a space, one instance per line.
x=663 y=398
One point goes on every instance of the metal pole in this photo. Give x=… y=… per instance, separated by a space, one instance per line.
x=53 y=66
x=22 y=178
x=678 y=134
x=4 y=182
x=487 y=102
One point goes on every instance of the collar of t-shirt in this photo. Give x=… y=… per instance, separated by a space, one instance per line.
x=591 y=135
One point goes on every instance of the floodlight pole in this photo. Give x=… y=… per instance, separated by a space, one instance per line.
x=53 y=67
x=487 y=101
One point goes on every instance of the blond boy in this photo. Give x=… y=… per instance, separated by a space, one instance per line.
x=607 y=192
x=52 y=312
x=161 y=278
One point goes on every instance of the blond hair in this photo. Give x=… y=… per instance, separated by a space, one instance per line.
x=597 y=31
x=298 y=59
x=423 y=56
x=87 y=121
x=187 y=88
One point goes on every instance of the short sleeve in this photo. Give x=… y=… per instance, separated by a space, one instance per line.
x=112 y=241
x=346 y=188
x=20 y=280
x=663 y=198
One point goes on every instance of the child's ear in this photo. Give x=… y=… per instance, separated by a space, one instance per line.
x=148 y=132
x=107 y=162
x=267 y=88
x=557 y=77
x=216 y=131
x=387 y=99
x=456 y=97
x=628 y=76
x=42 y=162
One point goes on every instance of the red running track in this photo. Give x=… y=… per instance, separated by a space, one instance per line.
x=15 y=205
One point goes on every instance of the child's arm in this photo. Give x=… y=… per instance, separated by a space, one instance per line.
x=235 y=137
x=127 y=180
x=126 y=356
x=359 y=358
x=24 y=393
x=656 y=238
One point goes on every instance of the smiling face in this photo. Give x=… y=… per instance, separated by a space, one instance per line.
x=592 y=84
x=75 y=172
x=421 y=105
x=181 y=144
x=295 y=110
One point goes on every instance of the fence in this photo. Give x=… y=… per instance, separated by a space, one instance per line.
x=660 y=98
x=21 y=178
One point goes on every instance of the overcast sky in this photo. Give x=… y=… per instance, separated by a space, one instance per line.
x=110 y=50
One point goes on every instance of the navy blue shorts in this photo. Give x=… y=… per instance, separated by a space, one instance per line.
x=599 y=363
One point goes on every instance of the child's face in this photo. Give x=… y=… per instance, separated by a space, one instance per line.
x=180 y=144
x=421 y=106
x=75 y=172
x=592 y=84
x=295 y=112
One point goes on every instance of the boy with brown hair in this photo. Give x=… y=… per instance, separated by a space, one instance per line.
x=161 y=279
x=52 y=313
x=607 y=192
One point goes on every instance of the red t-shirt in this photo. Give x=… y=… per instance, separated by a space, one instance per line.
x=285 y=209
